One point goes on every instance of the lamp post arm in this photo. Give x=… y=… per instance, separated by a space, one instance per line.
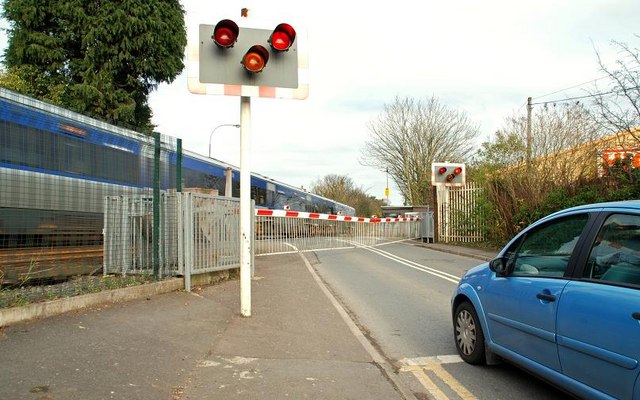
x=215 y=129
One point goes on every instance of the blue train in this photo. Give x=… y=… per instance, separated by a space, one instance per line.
x=56 y=167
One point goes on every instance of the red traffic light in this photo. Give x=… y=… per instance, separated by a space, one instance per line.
x=457 y=171
x=225 y=34
x=442 y=170
x=282 y=37
x=255 y=59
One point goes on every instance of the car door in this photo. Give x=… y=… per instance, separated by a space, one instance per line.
x=599 y=315
x=521 y=306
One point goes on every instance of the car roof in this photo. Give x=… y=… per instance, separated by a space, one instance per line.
x=632 y=205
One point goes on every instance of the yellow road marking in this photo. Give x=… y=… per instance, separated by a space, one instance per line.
x=451 y=381
x=428 y=384
x=434 y=364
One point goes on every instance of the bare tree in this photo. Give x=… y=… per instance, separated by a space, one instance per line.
x=409 y=135
x=618 y=105
x=342 y=189
x=333 y=186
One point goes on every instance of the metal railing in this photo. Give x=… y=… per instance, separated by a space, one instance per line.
x=200 y=233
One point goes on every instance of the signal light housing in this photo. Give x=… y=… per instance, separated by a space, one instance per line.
x=255 y=59
x=235 y=58
x=225 y=33
x=282 y=37
x=447 y=174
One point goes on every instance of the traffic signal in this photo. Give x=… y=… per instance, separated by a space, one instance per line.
x=233 y=55
x=447 y=174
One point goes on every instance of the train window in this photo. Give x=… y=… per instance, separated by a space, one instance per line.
x=271 y=194
x=259 y=195
x=73 y=157
x=235 y=188
x=6 y=148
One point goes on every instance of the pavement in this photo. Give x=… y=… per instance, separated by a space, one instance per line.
x=299 y=343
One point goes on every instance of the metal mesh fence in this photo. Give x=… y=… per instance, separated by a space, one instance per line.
x=197 y=233
x=56 y=168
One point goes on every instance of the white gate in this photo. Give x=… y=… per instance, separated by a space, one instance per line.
x=460 y=216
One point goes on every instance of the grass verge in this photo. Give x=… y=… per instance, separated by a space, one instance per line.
x=27 y=294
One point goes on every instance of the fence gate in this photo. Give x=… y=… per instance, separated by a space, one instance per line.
x=198 y=233
x=210 y=233
x=460 y=216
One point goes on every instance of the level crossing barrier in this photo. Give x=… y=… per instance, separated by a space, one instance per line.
x=280 y=231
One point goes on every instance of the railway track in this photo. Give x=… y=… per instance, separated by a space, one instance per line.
x=22 y=265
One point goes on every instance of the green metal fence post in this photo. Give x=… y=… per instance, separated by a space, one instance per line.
x=156 y=205
x=179 y=166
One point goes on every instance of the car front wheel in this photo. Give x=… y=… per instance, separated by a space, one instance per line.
x=468 y=334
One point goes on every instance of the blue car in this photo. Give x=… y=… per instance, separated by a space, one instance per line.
x=562 y=301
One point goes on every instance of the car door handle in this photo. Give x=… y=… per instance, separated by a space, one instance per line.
x=636 y=315
x=546 y=297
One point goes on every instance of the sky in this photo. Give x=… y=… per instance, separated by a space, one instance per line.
x=483 y=58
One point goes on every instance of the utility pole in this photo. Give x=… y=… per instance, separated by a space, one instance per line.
x=529 y=108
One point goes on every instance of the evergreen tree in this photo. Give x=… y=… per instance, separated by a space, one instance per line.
x=101 y=58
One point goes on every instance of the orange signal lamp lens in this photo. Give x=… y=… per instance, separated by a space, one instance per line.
x=457 y=171
x=255 y=59
x=253 y=62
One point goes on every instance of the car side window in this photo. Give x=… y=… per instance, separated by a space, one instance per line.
x=547 y=249
x=615 y=254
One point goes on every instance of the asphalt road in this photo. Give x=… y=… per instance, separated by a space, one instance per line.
x=400 y=295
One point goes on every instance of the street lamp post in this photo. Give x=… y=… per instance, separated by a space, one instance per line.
x=216 y=128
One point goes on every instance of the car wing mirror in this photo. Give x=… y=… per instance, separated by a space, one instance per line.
x=499 y=266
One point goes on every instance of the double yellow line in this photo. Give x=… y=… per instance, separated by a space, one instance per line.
x=421 y=366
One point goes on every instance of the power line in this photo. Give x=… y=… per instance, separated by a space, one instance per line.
x=574 y=98
x=585 y=96
x=582 y=84
x=571 y=87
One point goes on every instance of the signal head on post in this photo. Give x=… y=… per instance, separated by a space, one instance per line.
x=282 y=37
x=225 y=33
x=447 y=174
